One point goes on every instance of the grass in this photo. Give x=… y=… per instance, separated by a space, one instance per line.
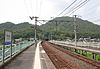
x=89 y=55
x=98 y=47
x=98 y=57
x=0 y=47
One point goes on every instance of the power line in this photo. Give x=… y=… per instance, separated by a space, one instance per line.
x=81 y=5
x=73 y=7
x=78 y=7
x=92 y=9
x=40 y=22
x=67 y=7
x=90 y=12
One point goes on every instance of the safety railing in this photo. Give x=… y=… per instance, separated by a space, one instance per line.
x=15 y=48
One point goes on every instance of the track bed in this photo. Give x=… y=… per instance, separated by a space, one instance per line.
x=64 y=59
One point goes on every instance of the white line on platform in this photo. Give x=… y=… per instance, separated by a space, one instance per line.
x=37 y=64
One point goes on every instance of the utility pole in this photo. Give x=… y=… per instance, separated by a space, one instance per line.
x=35 y=29
x=51 y=35
x=75 y=30
x=56 y=26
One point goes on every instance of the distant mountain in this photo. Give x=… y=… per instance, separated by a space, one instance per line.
x=66 y=24
x=65 y=29
x=19 y=30
x=7 y=25
x=12 y=26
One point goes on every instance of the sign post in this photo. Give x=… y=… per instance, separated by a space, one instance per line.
x=7 y=41
x=8 y=38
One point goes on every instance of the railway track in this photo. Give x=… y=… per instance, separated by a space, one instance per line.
x=58 y=60
x=48 y=48
x=80 y=57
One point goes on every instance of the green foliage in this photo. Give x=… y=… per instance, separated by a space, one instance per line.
x=65 y=29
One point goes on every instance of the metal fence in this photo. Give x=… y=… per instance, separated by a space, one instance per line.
x=16 y=48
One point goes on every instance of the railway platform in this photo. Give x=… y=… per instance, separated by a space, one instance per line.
x=32 y=58
x=49 y=56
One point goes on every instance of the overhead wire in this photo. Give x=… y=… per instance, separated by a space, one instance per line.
x=67 y=7
x=40 y=22
x=73 y=7
x=90 y=12
x=77 y=7
x=91 y=9
x=82 y=4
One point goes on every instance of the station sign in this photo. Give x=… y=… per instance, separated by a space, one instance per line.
x=8 y=37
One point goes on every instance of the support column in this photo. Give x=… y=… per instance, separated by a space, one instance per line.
x=86 y=53
x=82 y=53
x=94 y=56
x=76 y=50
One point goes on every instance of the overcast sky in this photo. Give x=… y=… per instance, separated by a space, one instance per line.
x=18 y=11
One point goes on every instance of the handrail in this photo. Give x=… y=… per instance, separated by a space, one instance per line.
x=15 y=49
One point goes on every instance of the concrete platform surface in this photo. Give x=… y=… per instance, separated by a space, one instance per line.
x=32 y=58
x=24 y=61
x=46 y=63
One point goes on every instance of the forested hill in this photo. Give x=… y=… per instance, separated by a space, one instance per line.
x=65 y=27
x=12 y=26
x=22 y=30
x=66 y=24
